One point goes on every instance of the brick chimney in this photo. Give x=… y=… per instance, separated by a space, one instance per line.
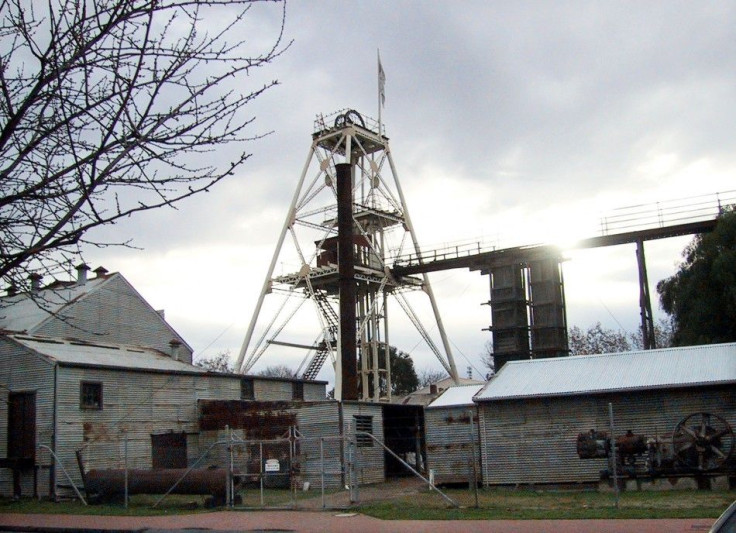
x=100 y=271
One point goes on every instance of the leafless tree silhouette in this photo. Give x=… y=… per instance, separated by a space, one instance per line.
x=112 y=107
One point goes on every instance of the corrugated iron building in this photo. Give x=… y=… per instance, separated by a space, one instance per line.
x=103 y=307
x=101 y=398
x=532 y=411
x=452 y=436
x=322 y=428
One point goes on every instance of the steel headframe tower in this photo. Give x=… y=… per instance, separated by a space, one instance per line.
x=381 y=229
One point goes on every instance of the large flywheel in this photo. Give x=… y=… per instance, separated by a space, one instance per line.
x=703 y=441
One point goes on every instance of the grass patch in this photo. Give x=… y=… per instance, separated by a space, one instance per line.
x=500 y=504
x=494 y=504
x=139 y=505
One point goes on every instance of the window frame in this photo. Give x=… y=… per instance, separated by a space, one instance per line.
x=247 y=389
x=86 y=393
x=363 y=424
x=297 y=390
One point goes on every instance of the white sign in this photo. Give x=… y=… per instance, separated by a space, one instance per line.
x=272 y=465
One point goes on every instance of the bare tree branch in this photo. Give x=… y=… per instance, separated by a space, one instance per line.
x=112 y=107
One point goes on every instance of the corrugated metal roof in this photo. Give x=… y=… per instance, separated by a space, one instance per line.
x=104 y=355
x=23 y=313
x=663 y=368
x=456 y=396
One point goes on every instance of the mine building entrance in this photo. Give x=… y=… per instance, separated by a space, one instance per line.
x=22 y=428
x=403 y=430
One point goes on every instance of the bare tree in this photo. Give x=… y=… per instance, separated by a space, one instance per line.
x=222 y=362
x=597 y=339
x=112 y=107
x=428 y=376
x=487 y=359
x=278 y=371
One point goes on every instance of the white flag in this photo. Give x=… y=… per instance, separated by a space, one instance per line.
x=381 y=82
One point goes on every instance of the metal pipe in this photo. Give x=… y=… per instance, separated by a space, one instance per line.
x=188 y=470
x=346 y=271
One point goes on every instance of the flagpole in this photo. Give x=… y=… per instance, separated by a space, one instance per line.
x=378 y=56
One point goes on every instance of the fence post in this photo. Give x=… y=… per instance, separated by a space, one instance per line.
x=352 y=477
x=472 y=457
x=613 y=453
x=260 y=469
x=227 y=476
x=322 y=467
x=292 y=480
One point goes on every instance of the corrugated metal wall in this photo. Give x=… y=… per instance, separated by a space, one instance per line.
x=314 y=421
x=115 y=312
x=370 y=459
x=451 y=447
x=135 y=406
x=534 y=441
x=20 y=372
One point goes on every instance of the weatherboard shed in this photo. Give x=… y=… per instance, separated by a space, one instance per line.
x=531 y=412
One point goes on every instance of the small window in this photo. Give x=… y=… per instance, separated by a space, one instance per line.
x=90 y=395
x=297 y=390
x=247 y=390
x=363 y=425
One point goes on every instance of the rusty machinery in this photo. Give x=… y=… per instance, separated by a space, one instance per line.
x=701 y=444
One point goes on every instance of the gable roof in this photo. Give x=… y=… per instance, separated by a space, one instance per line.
x=22 y=313
x=686 y=366
x=457 y=396
x=107 y=355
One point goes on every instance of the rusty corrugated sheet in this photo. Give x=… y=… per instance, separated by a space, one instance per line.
x=451 y=447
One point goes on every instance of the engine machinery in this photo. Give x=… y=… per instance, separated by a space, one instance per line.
x=701 y=444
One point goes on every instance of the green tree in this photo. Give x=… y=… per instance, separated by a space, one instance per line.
x=403 y=375
x=701 y=296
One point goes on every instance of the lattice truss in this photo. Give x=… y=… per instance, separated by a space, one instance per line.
x=306 y=253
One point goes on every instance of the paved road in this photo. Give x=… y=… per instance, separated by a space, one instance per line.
x=330 y=522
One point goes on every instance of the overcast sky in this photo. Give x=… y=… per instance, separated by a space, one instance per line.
x=516 y=122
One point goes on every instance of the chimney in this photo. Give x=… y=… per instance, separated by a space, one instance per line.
x=433 y=388
x=35 y=282
x=82 y=274
x=100 y=271
x=174 y=345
